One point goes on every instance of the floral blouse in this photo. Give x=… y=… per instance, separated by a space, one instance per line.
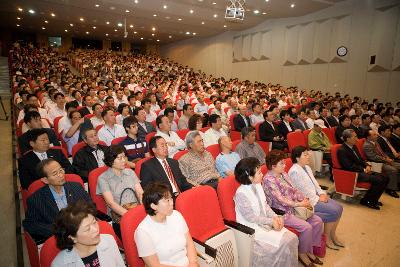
x=280 y=192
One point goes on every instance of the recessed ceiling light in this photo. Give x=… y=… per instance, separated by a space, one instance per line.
x=179 y=19
x=31 y=11
x=96 y=5
x=131 y=26
x=170 y=37
x=141 y=38
x=115 y=30
x=292 y=5
x=167 y=17
x=53 y=15
x=187 y=33
x=18 y=25
x=214 y=3
x=134 y=32
x=94 y=27
x=72 y=25
x=81 y=19
x=87 y=32
x=215 y=15
x=202 y=22
x=46 y=21
x=18 y=18
x=43 y=28
x=112 y=7
x=225 y=26
x=152 y=34
x=136 y=1
x=256 y=11
x=200 y=0
x=153 y=29
x=119 y=24
x=66 y=30
x=165 y=6
x=127 y=11
x=264 y=13
x=158 y=40
x=194 y=33
x=154 y=15
x=106 y=34
x=191 y=11
x=266 y=0
x=107 y=22
x=20 y=9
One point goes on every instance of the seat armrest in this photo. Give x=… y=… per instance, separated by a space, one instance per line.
x=102 y=216
x=240 y=227
x=205 y=249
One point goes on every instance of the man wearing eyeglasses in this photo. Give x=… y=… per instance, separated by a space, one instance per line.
x=46 y=202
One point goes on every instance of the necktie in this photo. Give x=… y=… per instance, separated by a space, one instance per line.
x=170 y=175
x=43 y=156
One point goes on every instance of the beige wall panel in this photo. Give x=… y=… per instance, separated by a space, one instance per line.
x=322 y=41
x=291 y=45
x=255 y=46
x=306 y=43
x=246 y=47
x=340 y=36
x=266 y=45
x=237 y=48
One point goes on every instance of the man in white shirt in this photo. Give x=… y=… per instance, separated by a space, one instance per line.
x=201 y=107
x=375 y=122
x=33 y=100
x=111 y=129
x=150 y=115
x=58 y=109
x=212 y=135
x=154 y=105
x=65 y=123
x=175 y=143
x=183 y=122
x=120 y=98
x=311 y=118
x=257 y=116
x=97 y=119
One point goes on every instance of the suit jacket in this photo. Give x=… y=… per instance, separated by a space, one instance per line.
x=338 y=133
x=267 y=133
x=153 y=171
x=326 y=122
x=359 y=131
x=84 y=161
x=84 y=111
x=395 y=141
x=42 y=209
x=349 y=160
x=298 y=125
x=28 y=163
x=371 y=152
x=332 y=121
x=385 y=147
x=239 y=123
x=142 y=131
x=283 y=129
x=24 y=145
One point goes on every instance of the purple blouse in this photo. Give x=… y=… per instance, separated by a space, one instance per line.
x=280 y=192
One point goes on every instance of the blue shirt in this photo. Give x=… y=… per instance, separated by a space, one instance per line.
x=226 y=162
x=61 y=200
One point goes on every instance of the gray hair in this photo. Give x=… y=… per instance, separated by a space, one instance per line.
x=347 y=134
x=190 y=137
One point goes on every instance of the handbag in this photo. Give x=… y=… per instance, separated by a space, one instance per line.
x=130 y=205
x=303 y=212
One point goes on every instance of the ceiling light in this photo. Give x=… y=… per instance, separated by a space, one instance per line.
x=72 y=25
x=292 y=5
x=96 y=5
x=135 y=32
x=53 y=15
x=31 y=11
x=106 y=34
x=131 y=26
x=225 y=26
x=191 y=11
x=94 y=27
x=202 y=22
x=18 y=18
x=152 y=34
x=115 y=30
x=200 y=0
x=112 y=7
x=215 y=15
x=87 y=32
x=107 y=22
x=136 y=1
x=46 y=21
x=170 y=37
x=256 y=11
x=153 y=29
x=154 y=15
x=187 y=33
x=119 y=24
x=194 y=33
x=266 y=0
x=81 y=19
x=214 y=3
x=165 y=6
x=66 y=30
x=43 y=28
x=127 y=11
x=179 y=19
x=20 y=9
x=141 y=38
x=264 y=13
x=17 y=25
x=158 y=40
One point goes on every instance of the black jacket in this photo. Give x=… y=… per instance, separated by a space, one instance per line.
x=267 y=133
x=153 y=171
x=395 y=141
x=142 y=132
x=349 y=161
x=28 y=164
x=239 y=123
x=386 y=148
x=338 y=133
x=42 y=209
x=283 y=130
x=24 y=145
x=84 y=161
x=332 y=121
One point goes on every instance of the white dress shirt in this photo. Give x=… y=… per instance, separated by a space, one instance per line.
x=172 y=137
x=211 y=136
x=107 y=134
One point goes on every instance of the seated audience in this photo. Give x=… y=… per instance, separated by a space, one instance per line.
x=344 y=123
x=284 y=196
x=311 y=117
x=269 y=132
x=29 y=108
x=212 y=135
x=241 y=120
x=198 y=164
x=395 y=137
x=350 y=159
x=175 y=143
x=33 y=100
x=365 y=122
x=319 y=141
x=334 y=118
x=257 y=116
x=375 y=122
x=227 y=159
x=285 y=126
x=201 y=107
x=163 y=169
x=39 y=141
x=97 y=119
x=324 y=117
x=124 y=112
x=248 y=147
x=273 y=244
x=78 y=237
x=390 y=168
x=119 y=186
x=57 y=110
x=356 y=126
x=220 y=112
x=187 y=112
x=385 y=132
x=169 y=112
x=33 y=121
x=326 y=208
x=64 y=124
x=299 y=121
x=163 y=238
x=144 y=127
x=71 y=135
x=89 y=157
x=45 y=203
x=195 y=124
x=111 y=129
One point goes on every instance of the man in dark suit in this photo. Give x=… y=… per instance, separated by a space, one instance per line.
x=350 y=159
x=269 y=132
x=324 y=117
x=33 y=121
x=39 y=141
x=241 y=120
x=160 y=168
x=90 y=156
x=395 y=137
x=285 y=126
x=299 y=122
x=344 y=123
x=385 y=132
x=144 y=127
x=45 y=203
x=356 y=126
x=334 y=118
